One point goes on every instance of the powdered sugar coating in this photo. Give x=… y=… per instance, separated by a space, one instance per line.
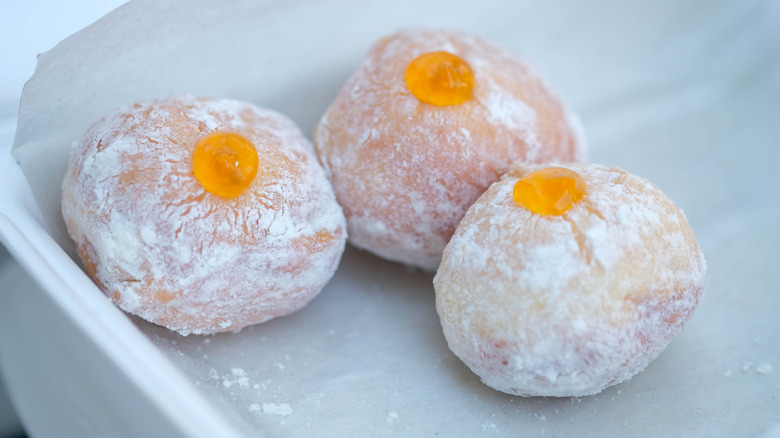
x=568 y=305
x=168 y=251
x=405 y=171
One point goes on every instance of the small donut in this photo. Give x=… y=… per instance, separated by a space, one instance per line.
x=562 y=281
x=202 y=215
x=427 y=122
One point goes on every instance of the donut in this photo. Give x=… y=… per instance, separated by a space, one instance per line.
x=564 y=280
x=427 y=122
x=202 y=215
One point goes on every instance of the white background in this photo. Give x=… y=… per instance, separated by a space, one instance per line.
x=29 y=28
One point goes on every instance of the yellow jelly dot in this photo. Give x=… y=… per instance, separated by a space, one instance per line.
x=440 y=78
x=225 y=163
x=550 y=191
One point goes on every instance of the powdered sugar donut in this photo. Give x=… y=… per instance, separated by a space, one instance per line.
x=405 y=170
x=167 y=250
x=569 y=304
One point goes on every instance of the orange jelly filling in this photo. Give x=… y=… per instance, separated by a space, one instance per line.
x=550 y=191
x=225 y=163
x=440 y=78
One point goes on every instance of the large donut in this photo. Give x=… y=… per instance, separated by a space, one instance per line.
x=165 y=249
x=568 y=305
x=406 y=171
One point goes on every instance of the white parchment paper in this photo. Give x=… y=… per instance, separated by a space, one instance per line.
x=684 y=94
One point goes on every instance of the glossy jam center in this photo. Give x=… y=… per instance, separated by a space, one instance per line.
x=440 y=78
x=225 y=163
x=550 y=191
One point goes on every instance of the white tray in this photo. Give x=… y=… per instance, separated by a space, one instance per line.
x=685 y=95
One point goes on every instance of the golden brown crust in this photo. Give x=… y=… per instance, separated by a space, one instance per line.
x=405 y=171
